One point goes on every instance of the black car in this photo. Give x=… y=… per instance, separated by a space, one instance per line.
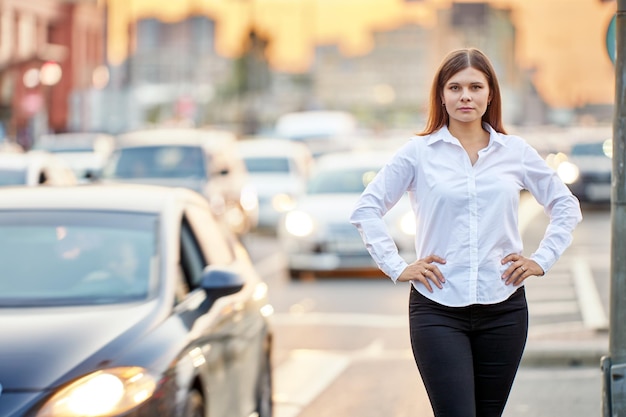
x=128 y=300
x=587 y=171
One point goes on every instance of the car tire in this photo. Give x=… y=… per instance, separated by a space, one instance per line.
x=265 y=403
x=194 y=406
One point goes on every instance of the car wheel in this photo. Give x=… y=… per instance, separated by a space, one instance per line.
x=194 y=406
x=264 y=391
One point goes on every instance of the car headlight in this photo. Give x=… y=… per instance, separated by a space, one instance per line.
x=299 y=223
x=407 y=223
x=282 y=203
x=568 y=172
x=249 y=199
x=102 y=393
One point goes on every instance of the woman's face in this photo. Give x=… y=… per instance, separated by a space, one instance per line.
x=466 y=96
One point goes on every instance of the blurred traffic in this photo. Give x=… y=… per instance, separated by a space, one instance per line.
x=586 y=169
x=168 y=180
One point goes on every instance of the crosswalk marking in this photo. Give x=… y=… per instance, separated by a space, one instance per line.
x=304 y=375
x=591 y=307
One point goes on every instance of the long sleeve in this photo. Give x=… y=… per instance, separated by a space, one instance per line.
x=379 y=196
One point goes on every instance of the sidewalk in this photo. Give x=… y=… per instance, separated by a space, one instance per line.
x=568 y=322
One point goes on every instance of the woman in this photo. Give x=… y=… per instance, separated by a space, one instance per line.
x=468 y=315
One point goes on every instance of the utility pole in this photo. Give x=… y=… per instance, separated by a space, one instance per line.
x=614 y=365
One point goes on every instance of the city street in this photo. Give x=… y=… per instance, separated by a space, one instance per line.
x=342 y=343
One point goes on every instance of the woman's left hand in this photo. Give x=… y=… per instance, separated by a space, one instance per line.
x=520 y=269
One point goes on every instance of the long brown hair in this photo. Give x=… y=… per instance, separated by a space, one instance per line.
x=454 y=62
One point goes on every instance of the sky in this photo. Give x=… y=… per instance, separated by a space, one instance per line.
x=564 y=41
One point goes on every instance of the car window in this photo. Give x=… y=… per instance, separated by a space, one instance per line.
x=341 y=181
x=267 y=165
x=215 y=247
x=593 y=149
x=76 y=257
x=12 y=177
x=157 y=162
x=191 y=256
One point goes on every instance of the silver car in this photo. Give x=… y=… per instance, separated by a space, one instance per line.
x=279 y=170
x=317 y=235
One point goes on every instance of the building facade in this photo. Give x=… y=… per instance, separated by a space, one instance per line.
x=391 y=84
x=49 y=49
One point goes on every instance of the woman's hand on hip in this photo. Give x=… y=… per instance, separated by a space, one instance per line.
x=520 y=269
x=425 y=271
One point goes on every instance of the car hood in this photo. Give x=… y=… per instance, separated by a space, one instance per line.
x=39 y=346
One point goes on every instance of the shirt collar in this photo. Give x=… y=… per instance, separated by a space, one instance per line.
x=444 y=135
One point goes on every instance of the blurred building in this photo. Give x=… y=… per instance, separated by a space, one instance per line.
x=173 y=75
x=49 y=52
x=169 y=70
x=395 y=77
x=175 y=69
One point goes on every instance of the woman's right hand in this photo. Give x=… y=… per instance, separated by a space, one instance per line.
x=425 y=271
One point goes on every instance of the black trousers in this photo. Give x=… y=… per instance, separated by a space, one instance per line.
x=468 y=356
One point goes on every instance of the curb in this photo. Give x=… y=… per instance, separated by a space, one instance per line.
x=566 y=353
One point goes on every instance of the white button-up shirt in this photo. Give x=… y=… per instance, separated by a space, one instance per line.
x=466 y=214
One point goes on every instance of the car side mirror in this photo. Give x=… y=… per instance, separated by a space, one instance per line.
x=91 y=175
x=220 y=281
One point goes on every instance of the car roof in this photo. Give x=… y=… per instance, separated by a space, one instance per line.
x=98 y=142
x=316 y=121
x=107 y=197
x=352 y=160
x=271 y=147
x=19 y=160
x=175 y=136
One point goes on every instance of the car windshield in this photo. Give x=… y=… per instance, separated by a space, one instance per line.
x=591 y=149
x=64 y=147
x=267 y=165
x=157 y=162
x=352 y=181
x=12 y=177
x=57 y=258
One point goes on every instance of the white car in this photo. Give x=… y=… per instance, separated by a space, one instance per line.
x=205 y=161
x=317 y=235
x=84 y=152
x=323 y=131
x=34 y=168
x=279 y=170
